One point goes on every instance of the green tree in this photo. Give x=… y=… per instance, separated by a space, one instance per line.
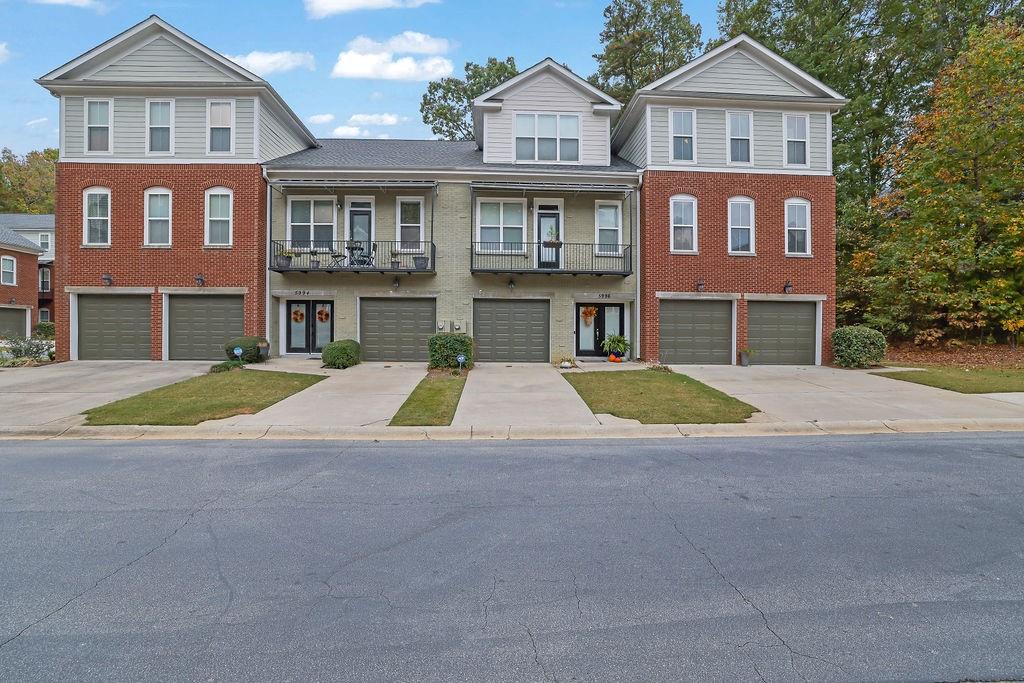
x=643 y=40
x=951 y=257
x=27 y=182
x=447 y=106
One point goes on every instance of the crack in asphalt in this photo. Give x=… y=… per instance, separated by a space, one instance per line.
x=576 y=592
x=486 y=603
x=536 y=657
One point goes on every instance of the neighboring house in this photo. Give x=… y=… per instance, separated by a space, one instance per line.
x=738 y=218
x=193 y=205
x=18 y=295
x=38 y=229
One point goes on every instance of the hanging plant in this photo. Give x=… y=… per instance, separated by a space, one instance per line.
x=588 y=314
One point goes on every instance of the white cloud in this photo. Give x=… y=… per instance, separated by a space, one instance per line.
x=264 y=63
x=375 y=120
x=84 y=4
x=36 y=122
x=320 y=119
x=350 y=132
x=4 y=53
x=367 y=58
x=318 y=9
x=376 y=95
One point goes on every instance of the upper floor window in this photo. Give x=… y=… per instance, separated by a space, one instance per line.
x=501 y=224
x=159 y=126
x=219 y=217
x=311 y=222
x=796 y=139
x=410 y=223
x=220 y=117
x=96 y=218
x=609 y=227
x=44 y=241
x=798 y=227
x=158 y=217
x=741 y=225
x=740 y=127
x=44 y=315
x=684 y=224
x=682 y=134
x=8 y=271
x=44 y=280
x=547 y=137
x=97 y=126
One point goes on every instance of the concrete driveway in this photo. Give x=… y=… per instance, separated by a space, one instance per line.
x=59 y=393
x=522 y=394
x=800 y=393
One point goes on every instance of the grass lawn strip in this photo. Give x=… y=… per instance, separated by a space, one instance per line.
x=433 y=402
x=207 y=397
x=657 y=397
x=963 y=380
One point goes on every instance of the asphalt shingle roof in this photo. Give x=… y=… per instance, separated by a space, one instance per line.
x=27 y=221
x=387 y=155
x=10 y=238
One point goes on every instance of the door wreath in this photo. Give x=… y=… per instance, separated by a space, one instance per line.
x=588 y=314
x=298 y=316
x=323 y=315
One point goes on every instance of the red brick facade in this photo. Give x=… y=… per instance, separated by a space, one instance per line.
x=133 y=265
x=765 y=273
x=25 y=291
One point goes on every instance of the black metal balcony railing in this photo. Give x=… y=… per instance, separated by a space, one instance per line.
x=353 y=256
x=551 y=258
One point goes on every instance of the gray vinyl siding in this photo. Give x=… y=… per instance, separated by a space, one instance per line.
x=546 y=93
x=736 y=73
x=276 y=139
x=129 y=126
x=160 y=60
x=635 y=149
x=72 y=126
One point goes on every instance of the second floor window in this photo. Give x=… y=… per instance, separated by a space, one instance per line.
x=682 y=135
x=609 y=227
x=740 y=126
x=410 y=223
x=796 y=139
x=798 y=227
x=97 y=119
x=684 y=224
x=502 y=225
x=159 y=122
x=218 y=217
x=547 y=137
x=221 y=122
x=44 y=280
x=741 y=226
x=311 y=223
x=8 y=271
x=44 y=241
x=97 y=217
x=158 y=217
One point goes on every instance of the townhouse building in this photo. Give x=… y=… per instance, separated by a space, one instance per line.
x=194 y=205
x=38 y=229
x=18 y=295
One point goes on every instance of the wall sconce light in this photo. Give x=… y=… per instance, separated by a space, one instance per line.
x=107 y=279
x=701 y=285
x=395 y=284
x=200 y=280
x=12 y=301
x=788 y=287
x=511 y=285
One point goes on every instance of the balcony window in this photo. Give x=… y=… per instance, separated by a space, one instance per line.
x=410 y=223
x=609 y=227
x=219 y=217
x=548 y=137
x=501 y=224
x=44 y=279
x=97 y=120
x=312 y=223
x=158 y=217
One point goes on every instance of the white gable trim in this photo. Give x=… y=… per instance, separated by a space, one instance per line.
x=683 y=78
x=117 y=55
x=610 y=103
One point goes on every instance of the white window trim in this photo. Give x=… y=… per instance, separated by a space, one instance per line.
x=209 y=103
x=753 y=224
x=110 y=127
x=49 y=280
x=231 y=216
x=49 y=242
x=672 y=226
x=502 y=200
x=795 y=201
x=786 y=140
x=398 y=223
x=170 y=216
x=537 y=237
x=558 y=138
x=170 y=152
x=288 y=224
x=41 y=312
x=85 y=215
x=597 y=230
x=349 y=200
x=728 y=137
x=14 y=270
x=672 y=136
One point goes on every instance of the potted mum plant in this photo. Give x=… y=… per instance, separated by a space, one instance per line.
x=283 y=259
x=616 y=346
x=396 y=260
x=745 y=356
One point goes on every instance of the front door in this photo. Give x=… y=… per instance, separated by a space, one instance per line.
x=310 y=326
x=360 y=225
x=596 y=322
x=549 y=231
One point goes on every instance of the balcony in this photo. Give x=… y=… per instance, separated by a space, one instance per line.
x=352 y=257
x=552 y=258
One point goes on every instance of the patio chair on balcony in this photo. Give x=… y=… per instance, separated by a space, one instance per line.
x=360 y=256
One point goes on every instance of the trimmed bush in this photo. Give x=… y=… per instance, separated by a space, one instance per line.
x=44 y=330
x=227 y=366
x=32 y=348
x=858 y=347
x=252 y=348
x=341 y=354
x=444 y=349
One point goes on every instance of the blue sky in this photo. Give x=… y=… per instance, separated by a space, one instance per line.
x=363 y=63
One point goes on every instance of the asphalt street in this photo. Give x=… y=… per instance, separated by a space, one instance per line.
x=820 y=558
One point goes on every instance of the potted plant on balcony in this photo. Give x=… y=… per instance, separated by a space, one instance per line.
x=283 y=259
x=396 y=259
x=420 y=262
x=314 y=259
x=616 y=346
x=552 y=241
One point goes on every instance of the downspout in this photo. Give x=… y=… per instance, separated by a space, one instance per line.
x=637 y=314
x=266 y=265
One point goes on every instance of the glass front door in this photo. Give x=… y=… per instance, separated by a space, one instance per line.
x=310 y=326
x=594 y=323
x=362 y=250
x=549 y=230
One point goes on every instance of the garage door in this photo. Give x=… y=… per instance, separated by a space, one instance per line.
x=511 y=331
x=199 y=325
x=695 y=332
x=396 y=329
x=782 y=332
x=12 y=322
x=114 y=327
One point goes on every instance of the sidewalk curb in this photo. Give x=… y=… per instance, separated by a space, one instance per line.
x=509 y=432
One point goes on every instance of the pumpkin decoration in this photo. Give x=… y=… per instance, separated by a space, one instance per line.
x=323 y=315
x=588 y=314
x=298 y=316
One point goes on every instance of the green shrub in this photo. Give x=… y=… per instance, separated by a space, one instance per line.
x=44 y=330
x=341 y=354
x=858 y=347
x=227 y=366
x=444 y=349
x=32 y=348
x=251 y=348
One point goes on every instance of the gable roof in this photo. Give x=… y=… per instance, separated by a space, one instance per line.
x=549 y=65
x=27 y=221
x=9 y=238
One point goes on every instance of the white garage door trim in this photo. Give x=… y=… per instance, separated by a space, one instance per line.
x=819 y=310
x=28 y=316
x=165 y=308
x=73 y=293
x=710 y=296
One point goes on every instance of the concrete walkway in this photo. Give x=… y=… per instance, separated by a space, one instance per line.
x=522 y=394
x=788 y=393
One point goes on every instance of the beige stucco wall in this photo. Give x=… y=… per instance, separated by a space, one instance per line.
x=454 y=286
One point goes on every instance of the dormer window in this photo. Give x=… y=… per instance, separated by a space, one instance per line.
x=548 y=137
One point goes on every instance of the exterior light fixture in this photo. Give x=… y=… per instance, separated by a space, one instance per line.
x=12 y=301
x=107 y=279
x=701 y=285
x=395 y=284
x=788 y=287
x=200 y=280
x=511 y=285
